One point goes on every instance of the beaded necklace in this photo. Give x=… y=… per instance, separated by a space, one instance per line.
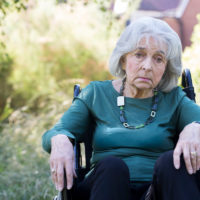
x=121 y=104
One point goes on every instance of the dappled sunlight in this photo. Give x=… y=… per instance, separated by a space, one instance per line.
x=53 y=43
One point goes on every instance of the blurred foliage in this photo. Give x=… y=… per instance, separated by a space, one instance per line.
x=191 y=58
x=6 y=88
x=9 y=5
x=6 y=61
x=53 y=44
x=48 y=50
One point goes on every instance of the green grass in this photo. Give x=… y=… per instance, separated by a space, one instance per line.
x=24 y=166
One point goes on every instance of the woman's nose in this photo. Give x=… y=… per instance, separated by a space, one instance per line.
x=147 y=64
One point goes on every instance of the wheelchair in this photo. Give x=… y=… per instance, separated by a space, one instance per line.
x=83 y=151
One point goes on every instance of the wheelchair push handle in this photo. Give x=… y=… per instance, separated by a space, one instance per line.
x=77 y=90
x=187 y=84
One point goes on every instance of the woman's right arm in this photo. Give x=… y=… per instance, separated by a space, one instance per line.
x=73 y=124
x=56 y=141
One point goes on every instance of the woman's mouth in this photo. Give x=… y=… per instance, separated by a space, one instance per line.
x=144 y=79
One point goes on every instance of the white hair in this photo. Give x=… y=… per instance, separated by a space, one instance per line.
x=161 y=32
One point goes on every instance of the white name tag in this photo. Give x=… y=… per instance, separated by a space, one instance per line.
x=120 y=101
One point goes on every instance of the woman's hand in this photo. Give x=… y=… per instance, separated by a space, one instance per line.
x=188 y=145
x=62 y=158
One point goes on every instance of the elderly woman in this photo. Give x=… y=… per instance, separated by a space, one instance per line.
x=137 y=118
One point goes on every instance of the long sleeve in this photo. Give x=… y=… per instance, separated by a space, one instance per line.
x=75 y=121
x=188 y=111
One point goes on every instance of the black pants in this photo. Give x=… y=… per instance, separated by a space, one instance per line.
x=110 y=181
x=172 y=184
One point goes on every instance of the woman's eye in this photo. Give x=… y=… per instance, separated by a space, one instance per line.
x=139 y=55
x=159 y=59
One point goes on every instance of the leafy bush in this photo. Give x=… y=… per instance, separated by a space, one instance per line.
x=6 y=88
x=52 y=44
x=191 y=58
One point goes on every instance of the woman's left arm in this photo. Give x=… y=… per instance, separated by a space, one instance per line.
x=189 y=145
x=188 y=142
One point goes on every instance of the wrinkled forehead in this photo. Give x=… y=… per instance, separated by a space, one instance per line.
x=152 y=43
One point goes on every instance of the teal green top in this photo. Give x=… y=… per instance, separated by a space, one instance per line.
x=139 y=148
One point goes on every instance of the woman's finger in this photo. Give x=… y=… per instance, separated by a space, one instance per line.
x=193 y=158
x=176 y=156
x=60 y=177
x=53 y=169
x=186 y=156
x=69 y=174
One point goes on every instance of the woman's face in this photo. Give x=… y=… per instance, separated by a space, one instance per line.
x=146 y=65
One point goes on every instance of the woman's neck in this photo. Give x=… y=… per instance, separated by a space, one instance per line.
x=131 y=91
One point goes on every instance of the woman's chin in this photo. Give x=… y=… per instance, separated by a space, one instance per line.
x=144 y=86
